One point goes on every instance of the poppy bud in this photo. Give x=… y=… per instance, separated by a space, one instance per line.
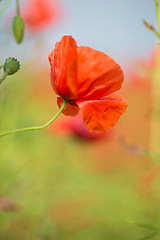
x=18 y=28
x=11 y=66
x=148 y=26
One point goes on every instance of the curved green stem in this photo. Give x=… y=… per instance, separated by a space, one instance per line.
x=3 y=77
x=17 y=5
x=35 y=128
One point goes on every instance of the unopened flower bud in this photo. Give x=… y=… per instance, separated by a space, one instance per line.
x=11 y=66
x=18 y=28
x=148 y=26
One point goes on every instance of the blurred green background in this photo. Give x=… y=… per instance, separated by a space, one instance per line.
x=62 y=187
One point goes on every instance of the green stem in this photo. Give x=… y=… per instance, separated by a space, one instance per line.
x=1 y=66
x=17 y=4
x=35 y=128
x=158 y=15
x=3 y=77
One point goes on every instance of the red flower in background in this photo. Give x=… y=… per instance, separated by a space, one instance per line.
x=40 y=13
x=74 y=126
x=88 y=80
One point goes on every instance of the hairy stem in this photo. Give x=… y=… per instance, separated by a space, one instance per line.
x=3 y=77
x=35 y=128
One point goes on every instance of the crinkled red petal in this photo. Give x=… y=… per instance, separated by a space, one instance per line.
x=102 y=115
x=98 y=74
x=63 y=60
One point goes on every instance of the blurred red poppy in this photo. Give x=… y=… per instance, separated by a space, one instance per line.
x=74 y=126
x=40 y=13
x=88 y=80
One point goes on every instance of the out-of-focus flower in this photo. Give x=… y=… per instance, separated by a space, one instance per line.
x=40 y=13
x=74 y=126
x=88 y=80
x=7 y=205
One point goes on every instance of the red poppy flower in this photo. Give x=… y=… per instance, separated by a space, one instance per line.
x=88 y=80
x=39 y=13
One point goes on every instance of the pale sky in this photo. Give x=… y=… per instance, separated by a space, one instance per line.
x=114 y=27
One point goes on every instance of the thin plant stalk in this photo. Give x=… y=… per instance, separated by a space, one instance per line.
x=158 y=15
x=155 y=116
x=3 y=77
x=36 y=127
x=17 y=5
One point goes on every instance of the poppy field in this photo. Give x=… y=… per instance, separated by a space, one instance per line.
x=79 y=120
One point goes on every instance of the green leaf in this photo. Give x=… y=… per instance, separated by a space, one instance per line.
x=146 y=225
x=148 y=236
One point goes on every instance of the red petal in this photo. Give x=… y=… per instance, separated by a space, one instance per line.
x=71 y=108
x=98 y=74
x=102 y=115
x=63 y=60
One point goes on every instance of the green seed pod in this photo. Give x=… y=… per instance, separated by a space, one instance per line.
x=18 y=28
x=11 y=66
